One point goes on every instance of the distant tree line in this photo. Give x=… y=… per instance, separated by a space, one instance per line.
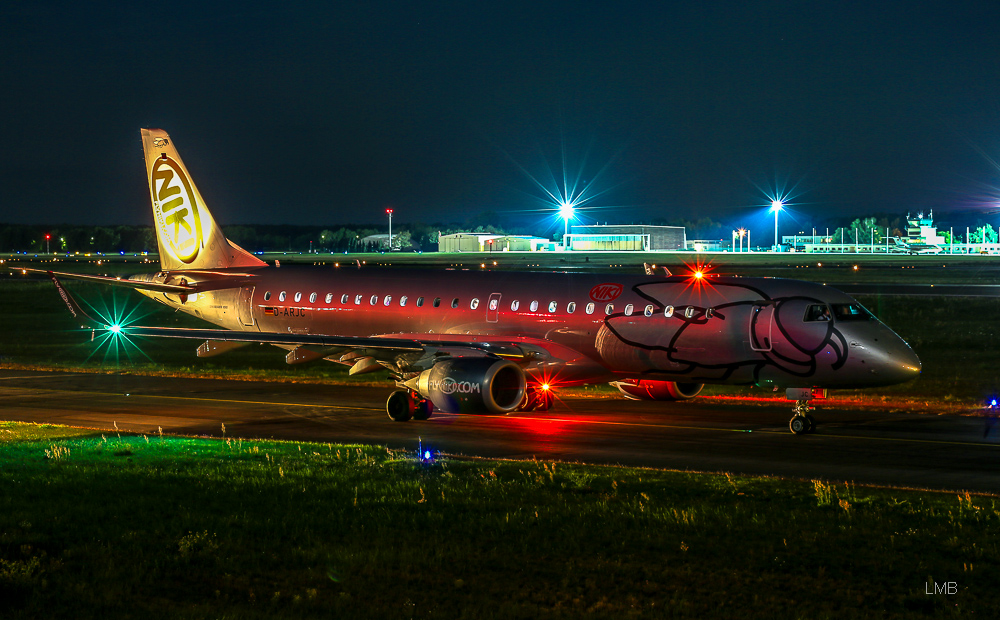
x=66 y=238
x=258 y=238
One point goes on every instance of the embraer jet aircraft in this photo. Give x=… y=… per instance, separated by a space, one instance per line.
x=498 y=342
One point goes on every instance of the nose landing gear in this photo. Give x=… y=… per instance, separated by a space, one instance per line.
x=802 y=423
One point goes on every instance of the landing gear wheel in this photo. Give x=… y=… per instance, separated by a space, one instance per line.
x=537 y=399
x=399 y=406
x=422 y=407
x=799 y=425
x=545 y=401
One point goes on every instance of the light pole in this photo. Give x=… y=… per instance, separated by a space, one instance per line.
x=776 y=206
x=743 y=232
x=47 y=237
x=389 y=211
x=566 y=212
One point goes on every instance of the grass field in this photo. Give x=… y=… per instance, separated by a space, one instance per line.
x=119 y=526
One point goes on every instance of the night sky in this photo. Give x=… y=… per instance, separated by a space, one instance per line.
x=332 y=112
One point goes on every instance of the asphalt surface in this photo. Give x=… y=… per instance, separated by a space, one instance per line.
x=867 y=447
x=922 y=290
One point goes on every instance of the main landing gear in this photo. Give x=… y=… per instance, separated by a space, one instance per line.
x=802 y=423
x=537 y=398
x=405 y=405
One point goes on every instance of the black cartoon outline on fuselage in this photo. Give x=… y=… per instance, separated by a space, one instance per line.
x=794 y=367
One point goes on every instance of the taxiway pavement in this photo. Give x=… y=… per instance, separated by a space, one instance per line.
x=864 y=446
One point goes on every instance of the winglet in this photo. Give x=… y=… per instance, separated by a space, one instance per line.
x=85 y=319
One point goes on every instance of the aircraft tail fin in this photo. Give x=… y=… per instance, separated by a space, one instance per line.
x=186 y=233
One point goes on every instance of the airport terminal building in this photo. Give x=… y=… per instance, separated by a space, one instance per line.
x=626 y=238
x=489 y=242
x=591 y=238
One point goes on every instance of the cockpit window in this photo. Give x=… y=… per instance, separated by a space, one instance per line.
x=818 y=312
x=851 y=312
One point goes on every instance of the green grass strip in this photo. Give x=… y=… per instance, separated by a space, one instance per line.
x=115 y=525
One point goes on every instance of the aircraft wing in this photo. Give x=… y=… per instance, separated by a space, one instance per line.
x=351 y=350
x=235 y=281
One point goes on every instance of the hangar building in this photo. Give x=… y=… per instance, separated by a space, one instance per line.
x=627 y=237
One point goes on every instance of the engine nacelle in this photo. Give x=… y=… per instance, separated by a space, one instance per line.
x=648 y=389
x=473 y=385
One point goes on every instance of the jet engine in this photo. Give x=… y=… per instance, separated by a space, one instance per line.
x=473 y=385
x=648 y=389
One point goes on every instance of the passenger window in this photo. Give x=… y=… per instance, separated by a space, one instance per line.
x=454 y=303
x=402 y=300
x=329 y=298
x=343 y=298
x=298 y=296
x=514 y=305
x=689 y=312
x=668 y=311
x=628 y=309
x=571 y=307
x=474 y=304
x=609 y=309
x=357 y=300
x=387 y=300
x=553 y=306
x=818 y=312
x=374 y=300
x=437 y=302
x=281 y=296
x=420 y=302
x=709 y=313
x=494 y=304
x=267 y=295
x=534 y=306
x=648 y=311
x=312 y=298
x=590 y=308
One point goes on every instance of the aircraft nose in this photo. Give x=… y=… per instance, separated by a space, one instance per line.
x=896 y=362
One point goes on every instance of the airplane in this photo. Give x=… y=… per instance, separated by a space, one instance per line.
x=915 y=247
x=500 y=342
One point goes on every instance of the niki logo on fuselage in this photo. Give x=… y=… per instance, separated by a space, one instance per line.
x=177 y=215
x=606 y=292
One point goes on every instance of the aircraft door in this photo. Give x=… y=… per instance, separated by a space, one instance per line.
x=493 y=308
x=244 y=308
x=761 y=325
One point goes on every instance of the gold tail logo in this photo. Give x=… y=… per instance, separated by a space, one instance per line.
x=178 y=217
